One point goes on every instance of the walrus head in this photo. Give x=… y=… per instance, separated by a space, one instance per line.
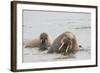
x=43 y=38
x=43 y=41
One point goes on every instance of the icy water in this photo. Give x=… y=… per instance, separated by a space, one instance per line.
x=55 y=23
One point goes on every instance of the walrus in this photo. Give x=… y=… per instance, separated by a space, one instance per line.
x=66 y=44
x=42 y=42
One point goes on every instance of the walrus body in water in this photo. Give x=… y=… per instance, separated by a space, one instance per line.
x=42 y=42
x=65 y=44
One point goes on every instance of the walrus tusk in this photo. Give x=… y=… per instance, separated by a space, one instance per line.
x=67 y=48
x=61 y=45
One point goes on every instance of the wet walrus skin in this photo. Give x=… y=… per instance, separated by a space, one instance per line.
x=65 y=43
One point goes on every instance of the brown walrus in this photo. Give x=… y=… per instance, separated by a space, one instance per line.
x=42 y=42
x=65 y=43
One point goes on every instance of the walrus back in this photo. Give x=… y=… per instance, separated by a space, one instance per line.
x=33 y=43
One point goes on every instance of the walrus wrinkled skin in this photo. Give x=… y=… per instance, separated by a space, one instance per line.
x=42 y=42
x=65 y=44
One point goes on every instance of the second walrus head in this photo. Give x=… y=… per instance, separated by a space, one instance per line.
x=43 y=41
